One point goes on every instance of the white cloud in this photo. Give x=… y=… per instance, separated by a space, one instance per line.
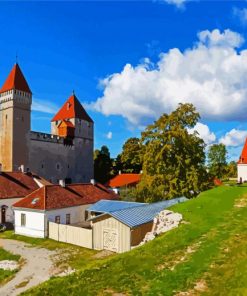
x=109 y=135
x=177 y=3
x=234 y=138
x=212 y=75
x=241 y=14
x=226 y=39
x=204 y=133
x=44 y=106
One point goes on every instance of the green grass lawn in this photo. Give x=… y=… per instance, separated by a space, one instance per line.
x=207 y=255
x=5 y=275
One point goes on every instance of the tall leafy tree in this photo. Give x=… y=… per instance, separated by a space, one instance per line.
x=173 y=163
x=131 y=156
x=217 y=164
x=102 y=164
x=232 y=169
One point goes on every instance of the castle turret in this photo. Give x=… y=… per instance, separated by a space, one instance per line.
x=76 y=117
x=15 y=113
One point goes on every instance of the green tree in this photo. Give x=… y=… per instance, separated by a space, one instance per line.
x=174 y=159
x=131 y=156
x=232 y=169
x=102 y=164
x=217 y=164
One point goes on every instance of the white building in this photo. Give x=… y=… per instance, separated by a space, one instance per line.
x=55 y=203
x=242 y=165
x=13 y=187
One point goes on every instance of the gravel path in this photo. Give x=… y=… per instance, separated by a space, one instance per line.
x=37 y=268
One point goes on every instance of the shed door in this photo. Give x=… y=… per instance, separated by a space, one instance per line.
x=110 y=240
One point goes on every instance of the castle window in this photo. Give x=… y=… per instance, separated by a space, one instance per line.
x=58 y=166
x=22 y=118
x=42 y=166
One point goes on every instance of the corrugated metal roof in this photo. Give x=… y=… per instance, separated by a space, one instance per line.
x=144 y=213
x=108 y=206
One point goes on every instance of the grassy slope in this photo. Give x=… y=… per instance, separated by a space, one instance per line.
x=209 y=253
x=6 y=274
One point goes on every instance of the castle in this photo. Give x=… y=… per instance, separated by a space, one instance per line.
x=65 y=154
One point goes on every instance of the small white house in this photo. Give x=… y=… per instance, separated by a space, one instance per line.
x=55 y=203
x=13 y=187
x=242 y=165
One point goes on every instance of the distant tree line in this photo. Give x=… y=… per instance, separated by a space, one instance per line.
x=173 y=160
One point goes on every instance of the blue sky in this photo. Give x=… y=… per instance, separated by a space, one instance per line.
x=65 y=46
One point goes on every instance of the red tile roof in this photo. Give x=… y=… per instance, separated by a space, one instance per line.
x=124 y=180
x=243 y=156
x=56 y=197
x=17 y=184
x=15 y=80
x=72 y=108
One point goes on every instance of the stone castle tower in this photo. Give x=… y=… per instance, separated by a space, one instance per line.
x=65 y=154
x=15 y=113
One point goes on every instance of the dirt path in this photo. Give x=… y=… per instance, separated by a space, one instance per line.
x=37 y=267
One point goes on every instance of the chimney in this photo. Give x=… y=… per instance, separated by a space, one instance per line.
x=22 y=168
x=119 y=172
x=92 y=181
x=62 y=183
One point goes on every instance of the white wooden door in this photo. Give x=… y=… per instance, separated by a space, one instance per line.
x=110 y=240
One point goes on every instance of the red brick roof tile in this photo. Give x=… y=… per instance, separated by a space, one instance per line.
x=124 y=180
x=56 y=197
x=17 y=184
x=15 y=80
x=72 y=108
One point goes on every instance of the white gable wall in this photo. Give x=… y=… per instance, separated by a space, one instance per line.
x=37 y=221
x=242 y=172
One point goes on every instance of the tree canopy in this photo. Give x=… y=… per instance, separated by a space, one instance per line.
x=174 y=158
x=131 y=156
x=102 y=164
x=217 y=164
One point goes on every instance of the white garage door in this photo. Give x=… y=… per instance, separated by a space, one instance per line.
x=110 y=240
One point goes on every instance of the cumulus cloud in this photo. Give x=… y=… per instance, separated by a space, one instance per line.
x=234 y=138
x=204 y=133
x=109 y=135
x=177 y=3
x=241 y=14
x=212 y=75
x=44 y=106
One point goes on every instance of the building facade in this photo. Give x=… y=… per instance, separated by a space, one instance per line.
x=66 y=153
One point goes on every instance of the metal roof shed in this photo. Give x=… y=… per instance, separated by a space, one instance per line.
x=120 y=229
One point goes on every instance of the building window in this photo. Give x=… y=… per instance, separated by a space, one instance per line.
x=57 y=219
x=67 y=218
x=23 y=219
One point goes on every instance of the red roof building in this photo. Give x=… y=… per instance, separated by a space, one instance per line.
x=123 y=180
x=18 y=184
x=243 y=156
x=72 y=108
x=52 y=197
x=15 y=80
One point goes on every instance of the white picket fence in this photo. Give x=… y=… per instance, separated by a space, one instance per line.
x=71 y=234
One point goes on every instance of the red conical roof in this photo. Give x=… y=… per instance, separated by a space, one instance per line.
x=243 y=157
x=16 y=80
x=72 y=108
